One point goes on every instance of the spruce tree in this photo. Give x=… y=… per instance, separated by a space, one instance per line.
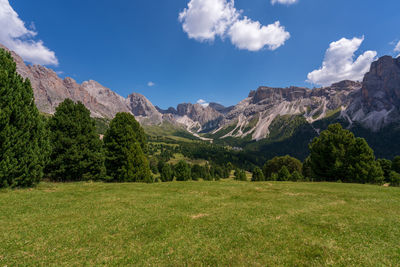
x=77 y=153
x=125 y=144
x=23 y=138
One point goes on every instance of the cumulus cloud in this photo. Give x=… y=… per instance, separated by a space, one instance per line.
x=284 y=2
x=251 y=35
x=204 y=20
x=340 y=64
x=15 y=36
x=151 y=84
x=397 y=48
x=203 y=103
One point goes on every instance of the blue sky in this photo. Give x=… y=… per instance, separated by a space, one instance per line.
x=125 y=45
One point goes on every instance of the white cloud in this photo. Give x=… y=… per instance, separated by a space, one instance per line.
x=204 y=20
x=15 y=36
x=203 y=103
x=397 y=48
x=150 y=84
x=284 y=2
x=251 y=35
x=339 y=63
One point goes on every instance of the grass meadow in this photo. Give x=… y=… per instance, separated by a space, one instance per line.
x=223 y=223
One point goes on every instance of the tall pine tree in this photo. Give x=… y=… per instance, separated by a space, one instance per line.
x=125 y=144
x=23 y=138
x=77 y=153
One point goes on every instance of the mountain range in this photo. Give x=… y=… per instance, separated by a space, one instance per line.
x=371 y=105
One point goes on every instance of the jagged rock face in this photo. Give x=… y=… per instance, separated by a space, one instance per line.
x=254 y=115
x=50 y=90
x=112 y=102
x=377 y=104
x=374 y=103
x=381 y=86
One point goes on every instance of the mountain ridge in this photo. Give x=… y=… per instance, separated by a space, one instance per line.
x=373 y=103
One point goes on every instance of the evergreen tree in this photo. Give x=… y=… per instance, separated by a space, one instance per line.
x=284 y=174
x=386 y=166
x=24 y=142
x=125 y=159
x=258 y=175
x=77 y=152
x=183 y=171
x=396 y=164
x=198 y=172
x=337 y=155
x=167 y=174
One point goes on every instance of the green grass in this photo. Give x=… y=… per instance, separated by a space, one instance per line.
x=223 y=223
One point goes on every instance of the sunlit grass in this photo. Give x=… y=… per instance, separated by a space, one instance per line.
x=200 y=223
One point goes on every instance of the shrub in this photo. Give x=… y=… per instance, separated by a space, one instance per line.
x=167 y=174
x=258 y=175
x=240 y=175
x=296 y=177
x=396 y=164
x=394 y=178
x=284 y=174
x=275 y=165
x=386 y=166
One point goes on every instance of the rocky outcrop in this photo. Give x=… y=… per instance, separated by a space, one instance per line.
x=378 y=103
x=374 y=103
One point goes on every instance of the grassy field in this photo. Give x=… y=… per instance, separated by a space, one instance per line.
x=223 y=223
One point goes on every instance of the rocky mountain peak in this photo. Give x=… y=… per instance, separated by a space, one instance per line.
x=381 y=85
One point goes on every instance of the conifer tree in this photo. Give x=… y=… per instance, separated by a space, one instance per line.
x=338 y=155
x=77 y=153
x=183 y=171
x=125 y=143
x=167 y=174
x=23 y=138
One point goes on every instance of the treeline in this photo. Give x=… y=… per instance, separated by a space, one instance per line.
x=335 y=156
x=64 y=147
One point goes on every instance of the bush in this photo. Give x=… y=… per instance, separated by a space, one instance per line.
x=258 y=175
x=77 y=152
x=167 y=174
x=124 y=144
x=396 y=164
x=284 y=174
x=296 y=177
x=386 y=166
x=24 y=144
x=275 y=165
x=337 y=155
x=182 y=171
x=240 y=175
x=394 y=179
